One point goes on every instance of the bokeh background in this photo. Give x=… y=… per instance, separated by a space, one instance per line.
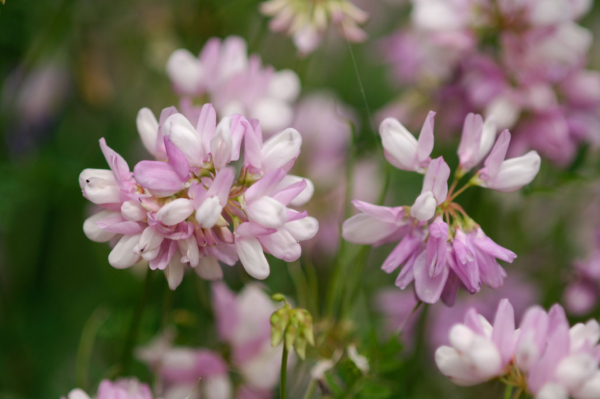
x=73 y=71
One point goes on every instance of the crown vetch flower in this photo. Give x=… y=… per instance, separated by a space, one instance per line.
x=125 y=388
x=234 y=82
x=307 y=21
x=188 y=207
x=533 y=81
x=440 y=246
x=544 y=356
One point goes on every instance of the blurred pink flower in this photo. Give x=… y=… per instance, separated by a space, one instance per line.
x=234 y=82
x=129 y=388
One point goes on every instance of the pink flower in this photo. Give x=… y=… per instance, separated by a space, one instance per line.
x=129 y=388
x=508 y=175
x=234 y=82
x=434 y=192
x=243 y=322
x=581 y=295
x=558 y=361
x=438 y=256
x=307 y=23
x=479 y=351
x=188 y=208
x=402 y=149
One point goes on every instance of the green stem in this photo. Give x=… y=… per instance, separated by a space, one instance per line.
x=84 y=353
x=135 y=325
x=283 y=380
x=456 y=194
x=335 y=289
x=310 y=391
x=300 y=283
x=508 y=392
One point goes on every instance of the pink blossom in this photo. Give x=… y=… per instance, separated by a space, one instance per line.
x=508 y=175
x=557 y=360
x=243 y=322
x=234 y=82
x=129 y=388
x=439 y=256
x=187 y=208
x=307 y=23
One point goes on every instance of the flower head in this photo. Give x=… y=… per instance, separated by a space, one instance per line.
x=234 y=82
x=544 y=356
x=188 y=207
x=440 y=246
x=307 y=21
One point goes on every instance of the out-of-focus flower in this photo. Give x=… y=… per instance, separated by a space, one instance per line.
x=398 y=309
x=530 y=79
x=31 y=100
x=180 y=368
x=191 y=209
x=452 y=250
x=235 y=83
x=581 y=295
x=307 y=20
x=128 y=388
x=544 y=357
x=243 y=321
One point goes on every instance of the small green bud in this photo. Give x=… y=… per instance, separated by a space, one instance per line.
x=278 y=297
x=276 y=336
x=300 y=347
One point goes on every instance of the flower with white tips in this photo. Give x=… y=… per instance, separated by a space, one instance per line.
x=402 y=150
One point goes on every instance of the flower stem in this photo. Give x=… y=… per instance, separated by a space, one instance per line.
x=508 y=392
x=310 y=391
x=135 y=325
x=403 y=325
x=283 y=380
x=84 y=353
x=456 y=194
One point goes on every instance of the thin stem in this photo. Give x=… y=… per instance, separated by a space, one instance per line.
x=508 y=392
x=403 y=325
x=135 y=325
x=84 y=353
x=451 y=190
x=283 y=379
x=300 y=283
x=386 y=183
x=518 y=393
x=339 y=262
x=310 y=391
x=456 y=194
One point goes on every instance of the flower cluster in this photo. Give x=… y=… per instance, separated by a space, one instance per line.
x=234 y=83
x=242 y=324
x=188 y=207
x=440 y=246
x=129 y=388
x=307 y=20
x=543 y=357
x=521 y=61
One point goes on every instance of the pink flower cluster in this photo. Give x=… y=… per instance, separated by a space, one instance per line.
x=129 y=388
x=308 y=20
x=235 y=83
x=188 y=207
x=243 y=324
x=545 y=356
x=440 y=246
x=521 y=61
